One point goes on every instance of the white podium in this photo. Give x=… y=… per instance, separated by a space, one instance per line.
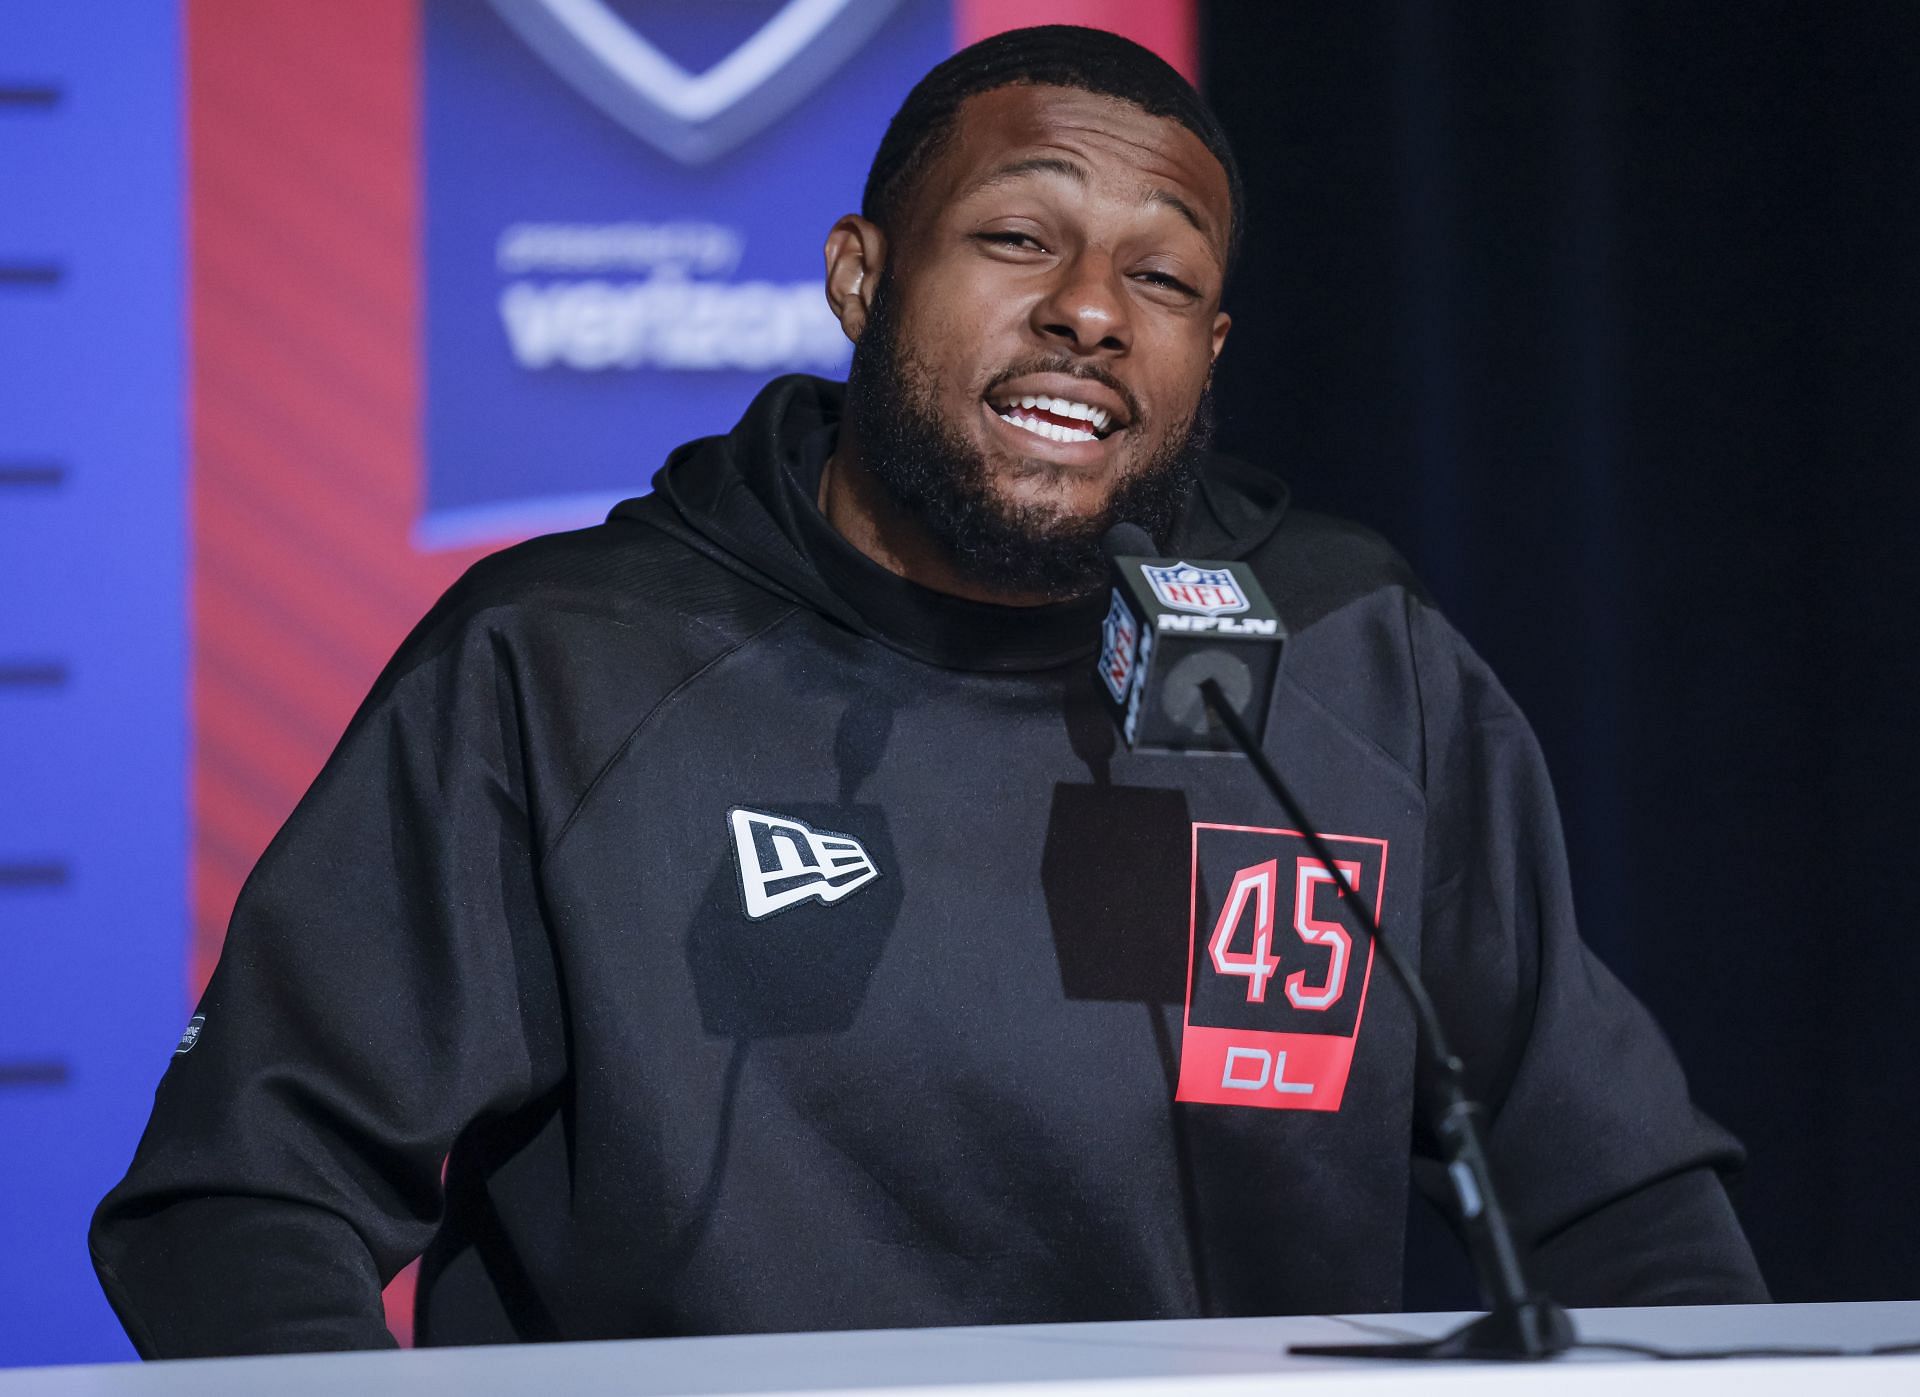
x=1146 y=1359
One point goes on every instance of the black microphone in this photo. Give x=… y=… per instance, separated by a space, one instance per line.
x=1178 y=687
x=1172 y=625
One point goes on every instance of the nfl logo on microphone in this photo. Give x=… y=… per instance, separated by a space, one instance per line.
x=1202 y=591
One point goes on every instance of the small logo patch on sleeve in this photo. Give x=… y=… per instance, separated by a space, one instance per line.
x=192 y=1035
x=783 y=862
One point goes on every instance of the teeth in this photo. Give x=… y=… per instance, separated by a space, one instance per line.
x=1053 y=431
x=1059 y=407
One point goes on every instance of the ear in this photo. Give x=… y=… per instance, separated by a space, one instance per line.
x=856 y=255
x=1221 y=324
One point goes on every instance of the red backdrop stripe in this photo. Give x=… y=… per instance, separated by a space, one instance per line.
x=303 y=214
x=1171 y=28
x=303 y=220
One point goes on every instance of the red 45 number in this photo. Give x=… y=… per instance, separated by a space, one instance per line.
x=1256 y=887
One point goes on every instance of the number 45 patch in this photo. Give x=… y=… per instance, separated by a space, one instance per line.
x=1278 y=968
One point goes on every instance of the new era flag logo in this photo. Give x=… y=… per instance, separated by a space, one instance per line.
x=1203 y=591
x=783 y=862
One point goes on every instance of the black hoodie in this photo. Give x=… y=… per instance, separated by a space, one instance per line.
x=700 y=929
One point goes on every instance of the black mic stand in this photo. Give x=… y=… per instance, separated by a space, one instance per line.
x=1519 y=1323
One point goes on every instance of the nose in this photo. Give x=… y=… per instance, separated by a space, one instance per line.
x=1085 y=309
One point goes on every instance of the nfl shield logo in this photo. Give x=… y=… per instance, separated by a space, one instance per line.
x=1203 y=591
x=1117 y=641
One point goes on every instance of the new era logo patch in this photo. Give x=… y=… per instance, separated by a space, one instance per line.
x=785 y=862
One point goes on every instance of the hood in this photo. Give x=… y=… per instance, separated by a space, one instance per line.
x=747 y=500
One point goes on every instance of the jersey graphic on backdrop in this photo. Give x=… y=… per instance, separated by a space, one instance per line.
x=694 y=117
x=624 y=206
x=785 y=862
x=1277 y=969
x=1203 y=591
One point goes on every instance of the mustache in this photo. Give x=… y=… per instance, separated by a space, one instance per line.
x=1072 y=368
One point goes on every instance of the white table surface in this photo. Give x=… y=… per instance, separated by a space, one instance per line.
x=1209 y=1356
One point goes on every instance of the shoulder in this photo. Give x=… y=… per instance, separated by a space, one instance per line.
x=1314 y=565
x=568 y=643
x=624 y=570
x=622 y=608
x=1310 y=564
x=1369 y=643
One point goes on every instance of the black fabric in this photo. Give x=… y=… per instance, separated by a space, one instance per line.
x=1664 y=1244
x=505 y=930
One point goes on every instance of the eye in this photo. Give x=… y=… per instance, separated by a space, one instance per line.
x=1167 y=280
x=1012 y=239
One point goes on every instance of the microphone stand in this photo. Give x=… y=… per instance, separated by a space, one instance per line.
x=1520 y=1323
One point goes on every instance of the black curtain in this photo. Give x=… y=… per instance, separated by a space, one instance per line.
x=1607 y=316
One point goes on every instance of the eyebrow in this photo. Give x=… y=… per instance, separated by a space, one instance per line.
x=1056 y=165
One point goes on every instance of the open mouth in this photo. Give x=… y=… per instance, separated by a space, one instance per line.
x=1056 y=419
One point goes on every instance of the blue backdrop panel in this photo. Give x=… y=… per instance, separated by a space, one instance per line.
x=92 y=730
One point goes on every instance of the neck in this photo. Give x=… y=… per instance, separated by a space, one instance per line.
x=862 y=512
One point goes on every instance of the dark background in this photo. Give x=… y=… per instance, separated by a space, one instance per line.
x=1605 y=315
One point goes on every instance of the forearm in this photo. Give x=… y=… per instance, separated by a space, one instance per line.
x=1673 y=1242
x=200 y=1277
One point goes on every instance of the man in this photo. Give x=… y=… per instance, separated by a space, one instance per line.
x=740 y=916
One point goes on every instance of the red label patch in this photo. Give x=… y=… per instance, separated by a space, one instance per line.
x=1277 y=968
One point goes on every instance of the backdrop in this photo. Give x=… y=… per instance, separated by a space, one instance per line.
x=1602 y=313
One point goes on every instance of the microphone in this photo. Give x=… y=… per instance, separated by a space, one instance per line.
x=1175 y=686
x=1172 y=625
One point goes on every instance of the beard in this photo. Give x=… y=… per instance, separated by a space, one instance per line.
x=930 y=471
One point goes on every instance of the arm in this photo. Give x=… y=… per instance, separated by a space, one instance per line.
x=1609 y=1173
x=1671 y=1242
x=386 y=980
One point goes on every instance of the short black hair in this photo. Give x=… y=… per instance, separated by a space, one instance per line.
x=1048 y=55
